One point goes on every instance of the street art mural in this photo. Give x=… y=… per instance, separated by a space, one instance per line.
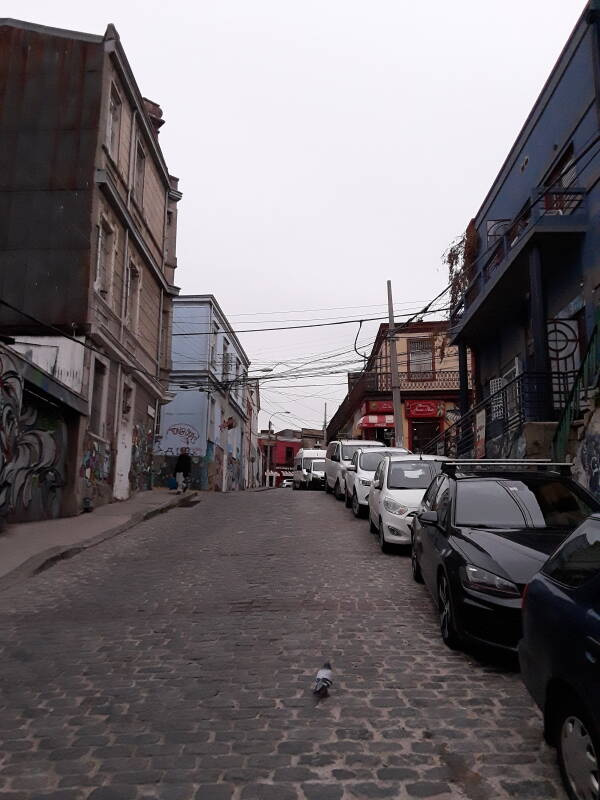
x=589 y=458
x=140 y=474
x=33 y=439
x=96 y=466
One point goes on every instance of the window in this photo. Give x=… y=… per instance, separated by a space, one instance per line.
x=140 y=171
x=409 y=475
x=113 y=123
x=369 y=461
x=420 y=359
x=557 y=201
x=523 y=502
x=578 y=561
x=98 y=404
x=105 y=257
x=441 y=504
x=132 y=300
x=429 y=495
x=330 y=450
x=289 y=456
x=226 y=366
x=214 y=336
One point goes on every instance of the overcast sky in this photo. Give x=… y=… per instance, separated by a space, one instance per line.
x=324 y=146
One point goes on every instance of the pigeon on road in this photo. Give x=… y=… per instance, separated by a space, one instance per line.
x=323 y=680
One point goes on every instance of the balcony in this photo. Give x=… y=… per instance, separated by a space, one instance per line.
x=553 y=212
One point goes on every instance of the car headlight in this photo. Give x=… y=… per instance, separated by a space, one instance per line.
x=394 y=507
x=365 y=483
x=484 y=581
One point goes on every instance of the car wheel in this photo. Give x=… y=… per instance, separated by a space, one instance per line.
x=578 y=745
x=347 y=499
x=294 y=486
x=372 y=527
x=446 y=612
x=327 y=488
x=356 y=509
x=385 y=548
x=414 y=562
x=336 y=491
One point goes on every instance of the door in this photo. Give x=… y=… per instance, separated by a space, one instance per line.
x=124 y=442
x=433 y=537
x=422 y=431
x=331 y=463
x=375 y=492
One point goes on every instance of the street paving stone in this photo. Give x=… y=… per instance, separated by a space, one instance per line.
x=176 y=661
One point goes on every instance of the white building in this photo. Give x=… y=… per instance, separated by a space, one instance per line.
x=208 y=412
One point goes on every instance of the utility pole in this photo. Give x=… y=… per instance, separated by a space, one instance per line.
x=395 y=375
x=268 y=457
x=325 y=428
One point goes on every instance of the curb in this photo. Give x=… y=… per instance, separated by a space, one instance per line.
x=47 y=558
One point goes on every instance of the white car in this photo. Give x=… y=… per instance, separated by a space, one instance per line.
x=287 y=483
x=396 y=492
x=359 y=474
x=339 y=455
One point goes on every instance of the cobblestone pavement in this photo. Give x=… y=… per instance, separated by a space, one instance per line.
x=176 y=661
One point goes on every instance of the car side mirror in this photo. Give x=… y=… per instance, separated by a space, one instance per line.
x=351 y=468
x=429 y=518
x=377 y=484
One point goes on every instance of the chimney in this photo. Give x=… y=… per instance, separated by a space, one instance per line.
x=154 y=113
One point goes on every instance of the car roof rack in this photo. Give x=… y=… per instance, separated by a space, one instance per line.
x=470 y=466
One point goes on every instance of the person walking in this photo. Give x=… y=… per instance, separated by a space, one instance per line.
x=183 y=467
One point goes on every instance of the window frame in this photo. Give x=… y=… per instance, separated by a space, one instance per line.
x=103 y=407
x=133 y=324
x=555 y=558
x=138 y=191
x=424 y=375
x=104 y=272
x=114 y=146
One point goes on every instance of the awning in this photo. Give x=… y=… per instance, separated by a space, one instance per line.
x=376 y=421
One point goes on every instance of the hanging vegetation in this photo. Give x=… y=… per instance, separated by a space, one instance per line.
x=460 y=258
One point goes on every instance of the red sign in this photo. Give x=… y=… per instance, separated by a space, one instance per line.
x=379 y=407
x=423 y=408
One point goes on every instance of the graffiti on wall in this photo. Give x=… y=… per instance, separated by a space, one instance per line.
x=590 y=461
x=32 y=451
x=140 y=473
x=96 y=465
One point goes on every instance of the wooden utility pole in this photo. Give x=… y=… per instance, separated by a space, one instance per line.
x=395 y=375
x=325 y=428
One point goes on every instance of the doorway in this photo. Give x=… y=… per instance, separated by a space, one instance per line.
x=422 y=432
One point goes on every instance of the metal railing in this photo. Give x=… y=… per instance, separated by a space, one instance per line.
x=530 y=397
x=555 y=202
x=586 y=379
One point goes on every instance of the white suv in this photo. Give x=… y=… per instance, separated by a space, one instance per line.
x=396 y=493
x=339 y=455
x=359 y=474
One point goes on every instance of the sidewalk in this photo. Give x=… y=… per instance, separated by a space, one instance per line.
x=25 y=547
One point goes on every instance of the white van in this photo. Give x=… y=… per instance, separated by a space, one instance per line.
x=339 y=455
x=302 y=463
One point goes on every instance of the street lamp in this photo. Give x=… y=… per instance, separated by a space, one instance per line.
x=276 y=414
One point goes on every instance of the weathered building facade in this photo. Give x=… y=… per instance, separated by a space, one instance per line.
x=88 y=220
x=207 y=414
x=529 y=307
x=428 y=368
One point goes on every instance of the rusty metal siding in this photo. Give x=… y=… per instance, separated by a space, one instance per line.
x=50 y=94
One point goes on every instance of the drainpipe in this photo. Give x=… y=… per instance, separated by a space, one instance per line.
x=160 y=333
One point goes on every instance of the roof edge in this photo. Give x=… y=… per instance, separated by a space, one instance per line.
x=35 y=27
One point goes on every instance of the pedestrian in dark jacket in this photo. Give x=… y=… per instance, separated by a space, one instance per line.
x=183 y=467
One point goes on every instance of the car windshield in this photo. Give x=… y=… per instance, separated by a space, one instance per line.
x=370 y=461
x=318 y=466
x=409 y=475
x=348 y=451
x=523 y=502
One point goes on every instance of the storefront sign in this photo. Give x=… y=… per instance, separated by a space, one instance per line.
x=379 y=407
x=423 y=408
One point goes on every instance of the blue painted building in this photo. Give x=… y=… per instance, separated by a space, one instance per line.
x=529 y=303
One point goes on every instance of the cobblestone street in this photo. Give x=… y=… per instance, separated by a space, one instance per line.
x=177 y=660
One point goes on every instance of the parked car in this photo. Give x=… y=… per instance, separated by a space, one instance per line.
x=287 y=483
x=315 y=478
x=396 y=491
x=302 y=462
x=560 y=655
x=339 y=455
x=482 y=531
x=359 y=474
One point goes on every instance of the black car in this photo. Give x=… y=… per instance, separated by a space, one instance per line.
x=482 y=532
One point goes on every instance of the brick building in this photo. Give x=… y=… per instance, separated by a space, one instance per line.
x=88 y=220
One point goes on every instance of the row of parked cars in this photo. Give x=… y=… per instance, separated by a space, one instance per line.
x=510 y=552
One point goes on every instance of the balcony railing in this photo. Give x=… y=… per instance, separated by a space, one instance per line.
x=554 y=209
x=496 y=421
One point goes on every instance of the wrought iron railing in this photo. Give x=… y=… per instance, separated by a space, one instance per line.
x=585 y=380
x=553 y=202
x=493 y=423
